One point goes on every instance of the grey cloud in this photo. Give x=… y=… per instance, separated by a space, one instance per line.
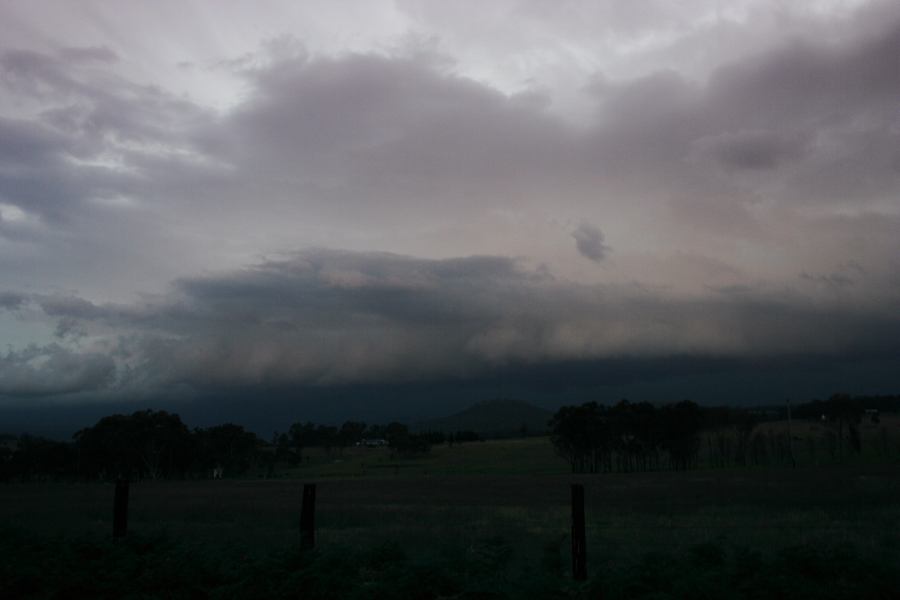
x=852 y=265
x=831 y=280
x=26 y=145
x=326 y=317
x=391 y=137
x=70 y=306
x=735 y=289
x=93 y=136
x=100 y=54
x=753 y=149
x=589 y=241
x=402 y=140
x=53 y=370
x=12 y=300
x=68 y=327
x=826 y=110
x=807 y=78
x=378 y=146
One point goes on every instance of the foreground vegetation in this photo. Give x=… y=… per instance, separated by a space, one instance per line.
x=814 y=532
x=158 y=566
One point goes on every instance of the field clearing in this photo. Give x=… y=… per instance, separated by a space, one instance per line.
x=482 y=516
x=527 y=456
x=535 y=456
x=628 y=515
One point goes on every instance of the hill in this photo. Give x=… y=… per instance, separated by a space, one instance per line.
x=492 y=418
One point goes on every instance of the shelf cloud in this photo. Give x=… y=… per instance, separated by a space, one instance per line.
x=436 y=199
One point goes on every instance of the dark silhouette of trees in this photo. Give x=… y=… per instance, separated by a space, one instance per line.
x=636 y=434
x=394 y=432
x=301 y=435
x=37 y=458
x=845 y=413
x=350 y=433
x=228 y=446
x=156 y=444
x=434 y=438
x=581 y=435
x=682 y=422
x=627 y=436
x=842 y=414
x=146 y=444
x=405 y=444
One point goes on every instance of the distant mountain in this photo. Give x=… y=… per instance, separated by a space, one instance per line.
x=492 y=418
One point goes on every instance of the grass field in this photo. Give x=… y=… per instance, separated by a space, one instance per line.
x=527 y=456
x=500 y=504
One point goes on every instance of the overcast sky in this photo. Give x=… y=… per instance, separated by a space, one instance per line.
x=215 y=195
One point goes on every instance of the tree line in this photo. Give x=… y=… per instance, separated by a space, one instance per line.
x=640 y=436
x=155 y=444
x=593 y=438
x=627 y=436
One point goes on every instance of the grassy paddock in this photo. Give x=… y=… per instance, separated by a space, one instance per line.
x=526 y=456
x=813 y=445
x=470 y=517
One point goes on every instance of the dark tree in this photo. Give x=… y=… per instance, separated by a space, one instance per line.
x=350 y=433
x=581 y=435
x=682 y=423
x=38 y=458
x=146 y=444
x=228 y=446
x=300 y=436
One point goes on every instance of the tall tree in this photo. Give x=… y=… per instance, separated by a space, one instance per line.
x=146 y=443
x=581 y=435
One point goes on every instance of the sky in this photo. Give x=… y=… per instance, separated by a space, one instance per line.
x=392 y=208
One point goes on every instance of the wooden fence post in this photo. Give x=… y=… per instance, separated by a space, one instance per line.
x=308 y=517
x=579 y=540
x=120 y=510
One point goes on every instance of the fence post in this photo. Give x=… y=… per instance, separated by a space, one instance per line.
x=120 y=509
x=579 y=540
x=308 y=517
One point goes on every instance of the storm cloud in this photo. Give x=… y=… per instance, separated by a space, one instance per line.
x=325 y=317
x=52 y=371
x=400 y=203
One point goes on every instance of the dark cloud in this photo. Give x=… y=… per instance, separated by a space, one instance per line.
x=589 y=241
x=11 y=300
x=133 y=184
x=53 y=370
x=70 y=306
x=753 y=149
x=324 y=318
x=68 y=327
